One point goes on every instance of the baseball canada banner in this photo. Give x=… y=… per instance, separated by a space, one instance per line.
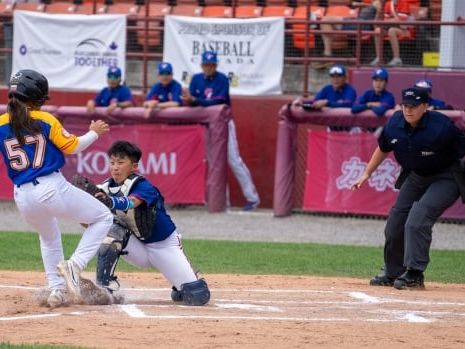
x=335 y=160
x=173 y=159
x=250 y=51
x=72 y=51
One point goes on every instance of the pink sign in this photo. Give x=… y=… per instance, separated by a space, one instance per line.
x=334 y=162
x=173 y=159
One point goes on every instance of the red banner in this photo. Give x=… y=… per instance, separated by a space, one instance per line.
x=335 y=160
x=173 y=159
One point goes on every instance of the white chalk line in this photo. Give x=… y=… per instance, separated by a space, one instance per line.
x=39 y=316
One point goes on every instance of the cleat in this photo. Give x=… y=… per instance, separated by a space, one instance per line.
x=71 y=273
x=410 y=279
x=57 y=298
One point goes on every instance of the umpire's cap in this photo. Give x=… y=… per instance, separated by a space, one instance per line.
x=209 y=57
x=414 y=96
x=380 y=73
x=29 y=86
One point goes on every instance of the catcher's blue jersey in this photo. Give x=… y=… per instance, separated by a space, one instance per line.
x=42 y=154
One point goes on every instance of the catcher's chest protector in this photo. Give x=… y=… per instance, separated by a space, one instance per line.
x=124 y=190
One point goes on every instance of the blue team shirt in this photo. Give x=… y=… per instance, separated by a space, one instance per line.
x=343 y=98
x=161 y=93
x=41 y=155
x=386 y=98
x=431 y=147
x=122 y=94
x=436 y=103
x=210 y=90
x=147 y=192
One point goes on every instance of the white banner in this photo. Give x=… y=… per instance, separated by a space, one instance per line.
x=250 y=51
x=72 y=51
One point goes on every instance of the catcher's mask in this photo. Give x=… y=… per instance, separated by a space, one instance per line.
x=29 y=86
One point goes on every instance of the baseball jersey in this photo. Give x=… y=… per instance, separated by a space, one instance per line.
x=122 y=94
x=161 y=93
x=431 y=147
x=42 y=154
x=436 y=103
x=147 y=192
x=342 y=98
x=386 y=98
x=210 y=90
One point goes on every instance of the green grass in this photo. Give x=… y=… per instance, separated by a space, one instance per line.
x=34 y=346
x=20 y=251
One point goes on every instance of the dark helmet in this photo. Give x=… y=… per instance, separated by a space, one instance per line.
x=29 y=86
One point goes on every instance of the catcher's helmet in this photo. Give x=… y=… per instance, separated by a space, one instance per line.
x=29 y=86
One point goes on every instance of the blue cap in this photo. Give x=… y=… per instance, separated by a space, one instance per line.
x=114 y=72
x=209 y=57
x=337 y=70
x=380 y=73
x=425 y=83
x=165 y=68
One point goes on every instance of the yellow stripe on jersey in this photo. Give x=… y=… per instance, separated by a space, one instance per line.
x=66 y=142
x=4 y=119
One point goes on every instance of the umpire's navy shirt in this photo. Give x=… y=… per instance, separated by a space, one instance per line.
x=430 y=148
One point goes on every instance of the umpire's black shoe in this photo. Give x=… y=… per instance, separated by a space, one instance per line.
x=410 y=279
x=382 y=279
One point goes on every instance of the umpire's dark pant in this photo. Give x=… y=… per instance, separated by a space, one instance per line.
x=421 y=201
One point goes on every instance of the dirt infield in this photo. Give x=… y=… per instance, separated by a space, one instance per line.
x=244 y=312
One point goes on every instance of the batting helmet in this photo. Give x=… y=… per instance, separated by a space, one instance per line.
x=29 y=86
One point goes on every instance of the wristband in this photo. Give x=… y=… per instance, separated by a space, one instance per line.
x=122 y=203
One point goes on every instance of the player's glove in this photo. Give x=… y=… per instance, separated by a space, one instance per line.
x=88 y=186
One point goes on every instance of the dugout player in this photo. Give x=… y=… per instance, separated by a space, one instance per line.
x=165 y=93
x=378 y=99
x=428 y=146
x=115 y=95
x=143 y=232
x=211 y=87
x=33 y=144
x=433 y=103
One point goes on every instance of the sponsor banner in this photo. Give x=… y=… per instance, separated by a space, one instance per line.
x=335 y=160
x=72 y=51
x=250 y=51
x=173 y=159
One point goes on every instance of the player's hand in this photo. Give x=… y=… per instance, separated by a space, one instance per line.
x=373 y=104
x=100 y=127
x=91 y=106
x=320 y=103
x=358 y=184
x=147 y=112
x=112 y=107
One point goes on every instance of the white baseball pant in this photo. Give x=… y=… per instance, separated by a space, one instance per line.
x=167 y=256
x=54 y=197
x=239 y=168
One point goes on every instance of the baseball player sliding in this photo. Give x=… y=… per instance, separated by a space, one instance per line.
x=33 y=144
x=142 y=231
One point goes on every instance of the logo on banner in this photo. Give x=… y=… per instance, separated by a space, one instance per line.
x=95 y=53
x=383 y=178
x=43 y=51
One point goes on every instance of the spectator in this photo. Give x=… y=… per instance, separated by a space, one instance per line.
x=165 y=93
x=377 y=99
x=338 y=94
x=368 y=12
x=433 y=103
x=115 y=95
x=211 y=87
x=394 y=11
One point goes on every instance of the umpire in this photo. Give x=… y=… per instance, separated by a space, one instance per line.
x=428 y=146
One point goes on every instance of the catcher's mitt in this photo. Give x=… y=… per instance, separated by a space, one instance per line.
x=88 y=186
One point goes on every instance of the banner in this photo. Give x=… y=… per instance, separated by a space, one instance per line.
x=173 y=159
x=250 y=51
x=72 y=51
x=335 y=160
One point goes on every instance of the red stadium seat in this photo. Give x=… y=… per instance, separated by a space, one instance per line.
x=29 y=6
x=248 y=11
x=187 y=10
x=217 y=11
x=277 y=11
x=85 y=9
x=123 y=8
x=341 y=11
x=301 y=13
x=60 y=7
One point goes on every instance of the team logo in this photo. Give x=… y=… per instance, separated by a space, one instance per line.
x=208 y=93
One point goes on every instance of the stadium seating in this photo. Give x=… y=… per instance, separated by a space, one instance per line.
x=119 y=8
x=60 y=7
x=155 y=26
x=340 y=41
x=85 y=9
x=301 y=13
x=217 y=11
x=187 y=10
x=272 y=11
x=248 y=11
x=30 y=6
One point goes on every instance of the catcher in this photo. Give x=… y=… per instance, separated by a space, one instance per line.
x=142 y=230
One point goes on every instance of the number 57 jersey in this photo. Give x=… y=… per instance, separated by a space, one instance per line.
x=42 y=153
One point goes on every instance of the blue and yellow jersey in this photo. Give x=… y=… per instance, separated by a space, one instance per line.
x=42 y=154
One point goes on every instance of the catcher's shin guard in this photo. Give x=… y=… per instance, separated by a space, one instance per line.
x=109 y=252
x=194 y=293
